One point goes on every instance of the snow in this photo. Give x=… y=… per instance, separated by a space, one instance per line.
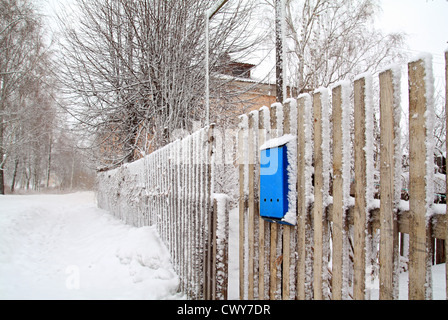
x=293 y=115
x=276 y=142
x=63 y=247
x=280 y=118
x=398 y=154
x=308 y=126
x=346 y=136
x=430 y=142
x=369 y=149
x=291 y=215
x=326 y=156
x=266 y=116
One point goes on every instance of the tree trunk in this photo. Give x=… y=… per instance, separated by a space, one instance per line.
x=2 y=178
x=14 y=175
x=50 y=143
x=2 y=172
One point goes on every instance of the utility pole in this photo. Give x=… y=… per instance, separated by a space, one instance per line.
x=280 y=50
x=208 y=16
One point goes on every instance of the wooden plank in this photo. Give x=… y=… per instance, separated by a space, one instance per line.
x=446 y=215
x=417 y=186
x=437 y=221
x=302 y=208
x=318 y=197
x=251 y=217
x=263 y=232
x=242 y=202
x=209 y=276
x=204 y=208
x=286 y=229
x=360 y=190
x=273 y=258
x=338 y=204
x=222 y=206
x=388 y=219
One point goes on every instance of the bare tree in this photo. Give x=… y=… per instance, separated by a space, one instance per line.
x=134 y=70
x=331 y=40
x=23 y=55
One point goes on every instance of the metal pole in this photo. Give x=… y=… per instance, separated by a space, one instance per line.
x=280 y=52
x=207 y=70
x=208 y=15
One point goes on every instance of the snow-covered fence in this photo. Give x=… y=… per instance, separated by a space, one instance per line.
x=350 y=214
x=172 y=189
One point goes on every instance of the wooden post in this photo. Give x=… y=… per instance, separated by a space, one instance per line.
x=338 y=204
x=286 y=229
x=360 y=190
x=220 y=207
x=263 y=232
x=211 y=219
x=417 y=176
x=274 y=227
x=389 y=200
x=318 y=210
x=242 y=198
x=302 y=206
x=446 y=215
x=253 y=125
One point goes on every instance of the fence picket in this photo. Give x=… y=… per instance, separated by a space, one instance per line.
x=446 y=180
x=418 y=206
x=274 y=258
x=302 y=205
x=388 y=183
x=242 y=200
x=263 y=232
x=286 y=229
x=318 y=209
x=360 y=210
x=338 y=197
x=253 y=125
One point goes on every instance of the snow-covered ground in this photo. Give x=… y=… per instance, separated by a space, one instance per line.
x=64 y=247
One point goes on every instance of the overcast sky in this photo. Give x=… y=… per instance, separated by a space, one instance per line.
x=424 y=21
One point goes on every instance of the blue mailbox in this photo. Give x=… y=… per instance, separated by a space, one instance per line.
x=274 y=184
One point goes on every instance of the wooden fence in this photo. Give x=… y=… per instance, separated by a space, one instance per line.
x=347 y=231
x=172 y=189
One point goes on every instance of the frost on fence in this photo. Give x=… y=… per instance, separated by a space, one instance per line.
x=371 y=215
x=172 y=189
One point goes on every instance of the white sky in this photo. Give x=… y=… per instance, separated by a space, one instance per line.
x=426 y=24
x=424 y=21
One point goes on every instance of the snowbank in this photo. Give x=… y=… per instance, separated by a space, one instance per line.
x=63 y=247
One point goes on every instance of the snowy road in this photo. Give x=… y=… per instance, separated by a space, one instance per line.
x=63 y=247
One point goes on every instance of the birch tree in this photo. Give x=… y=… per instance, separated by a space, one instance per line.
x=332 y=40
